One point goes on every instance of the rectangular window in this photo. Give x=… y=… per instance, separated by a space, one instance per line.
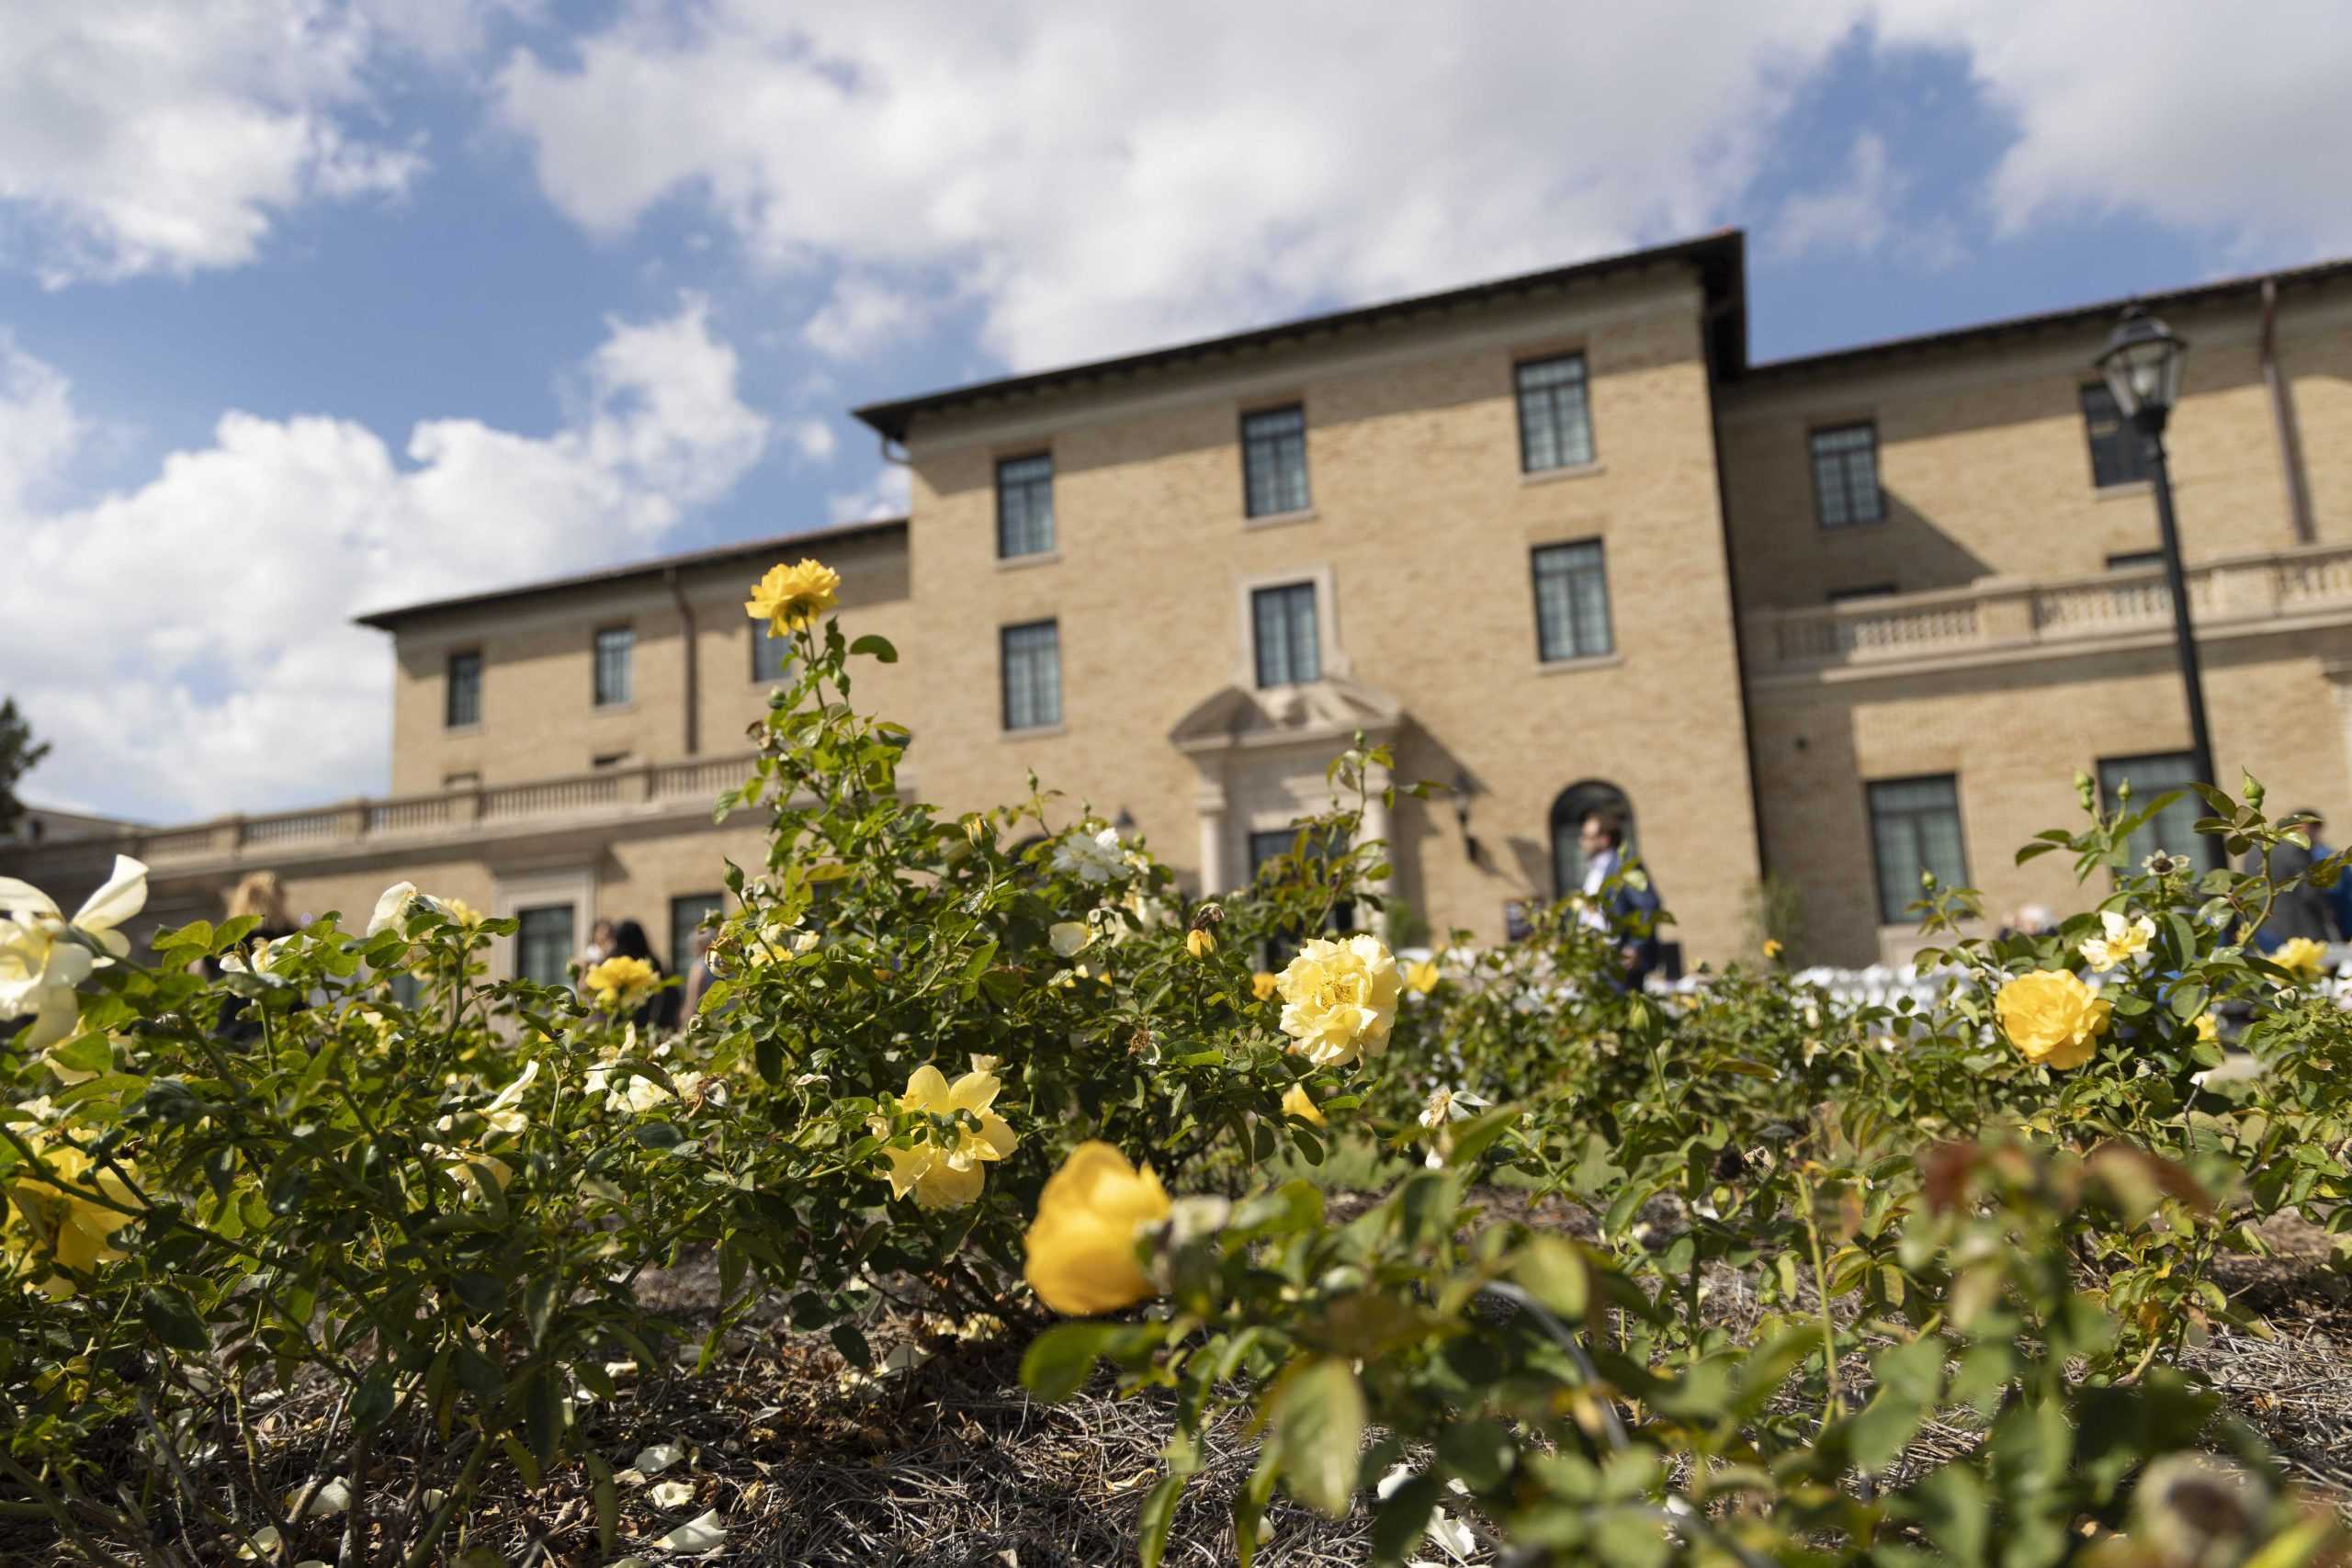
x=686 y=914
x=1024 y=506
x=1554 y=419
x=770 y=657
x=543 y=944
x=2173 y=829
x=1273 y=460
x=1571 y=602
x=1915 y=827
x=1845 y=476
x=616 y=649
x=608 y=758
x=1032 y=675
x=2118 y=455
x=464 y=702
x=1870 y=591
x=2132 y=560
x=1282 y=626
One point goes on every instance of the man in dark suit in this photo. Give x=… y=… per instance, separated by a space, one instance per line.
x=2302 y=911
x=1618 y=895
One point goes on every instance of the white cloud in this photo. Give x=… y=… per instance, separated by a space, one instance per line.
x=2231 y=120
x=1863 y=215
x=1852 y=216
x=1091 y=179
x=861 y=315
x=1095 y=178
x=813 y=439
x=882 y=496
x=195 y=653
x=156 y=136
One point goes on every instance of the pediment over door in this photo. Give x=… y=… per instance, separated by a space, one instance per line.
x=1323 y=712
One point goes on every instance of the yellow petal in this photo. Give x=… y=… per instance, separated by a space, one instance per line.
x=926 y=1090
x=975 y=1091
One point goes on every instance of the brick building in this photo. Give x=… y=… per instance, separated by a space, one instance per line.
x=1833 y=619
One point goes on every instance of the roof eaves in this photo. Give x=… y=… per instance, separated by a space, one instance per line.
x=385 y=620
x=1719 y=255
x=2048 y=321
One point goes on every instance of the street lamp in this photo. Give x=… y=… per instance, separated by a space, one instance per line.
x=2142 y=368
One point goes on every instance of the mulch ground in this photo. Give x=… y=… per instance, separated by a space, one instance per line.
x=944 y=1461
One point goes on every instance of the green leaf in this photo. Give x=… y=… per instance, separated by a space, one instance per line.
x=1554 y=1272
x=171 y=1318
x=2187 y=1001
x=1318 y=1420
x=1402 y=1519
x=1479 y=1452
x=1159 y=1514
x=879 y=647
x=1059 y=1360
x=852 y=1344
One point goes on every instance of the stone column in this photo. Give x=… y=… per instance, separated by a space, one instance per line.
x=1375 y=822
x=2339 y=681
x=1211 y=804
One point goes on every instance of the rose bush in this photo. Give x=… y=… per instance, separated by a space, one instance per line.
x=1001 y=1062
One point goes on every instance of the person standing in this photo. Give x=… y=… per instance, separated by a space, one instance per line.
x=2302 y=911
x=1619 y=896
x=2339 y=897
x=660 y=1011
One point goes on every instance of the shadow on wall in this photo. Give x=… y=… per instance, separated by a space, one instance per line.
x=1906 y=552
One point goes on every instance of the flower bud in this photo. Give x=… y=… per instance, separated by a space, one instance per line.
x=1199 y=943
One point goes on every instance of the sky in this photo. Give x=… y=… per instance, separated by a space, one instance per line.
x=312 y=307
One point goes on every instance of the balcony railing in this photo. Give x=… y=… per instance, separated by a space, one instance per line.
x=2001 y=616
x=605 y=796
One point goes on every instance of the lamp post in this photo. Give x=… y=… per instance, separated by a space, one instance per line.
x=2142 y=368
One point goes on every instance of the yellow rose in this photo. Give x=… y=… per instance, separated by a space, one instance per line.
x=1081 y=1247
x=791 y=597
x=2125 y=940
x=52 y=1219
x=948 y=1175
x=1772 y=949
x=1421 y=978
x=1263 y=983
x=1200 y=945
x=2052 y=1017
x=619 y=984
x=1339 y=999
x=2301 y=957
x=1298 y=1103
x=2207 y=1029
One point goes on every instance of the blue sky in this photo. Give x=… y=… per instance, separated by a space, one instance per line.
x=308 y=309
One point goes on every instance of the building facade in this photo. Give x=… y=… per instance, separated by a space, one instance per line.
x=1824 y=623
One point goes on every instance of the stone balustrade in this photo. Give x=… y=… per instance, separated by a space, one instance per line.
x=1995 y=618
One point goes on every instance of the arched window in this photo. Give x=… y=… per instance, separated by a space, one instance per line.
x=1574 y=804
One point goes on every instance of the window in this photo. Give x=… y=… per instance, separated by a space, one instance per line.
x=1024 y=506
x=1845 y=476
x=1282 y=622
x=1554 y=422
x=543 y=943
x=686 y=913
x=1571 y=602
x=770 y=657
x=2173 y=829
x=463 y=705
x=1915 y=827
x=1870 y=591
x=1272 y=844
x=1032 y=675
x=465 y=778
x=608 y=758
x=615 y=649
x=2133 y=560
x=2118 y=455
x=1273 y=461
x=1569 y=809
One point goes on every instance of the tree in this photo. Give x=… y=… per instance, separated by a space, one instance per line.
x=18 y=753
